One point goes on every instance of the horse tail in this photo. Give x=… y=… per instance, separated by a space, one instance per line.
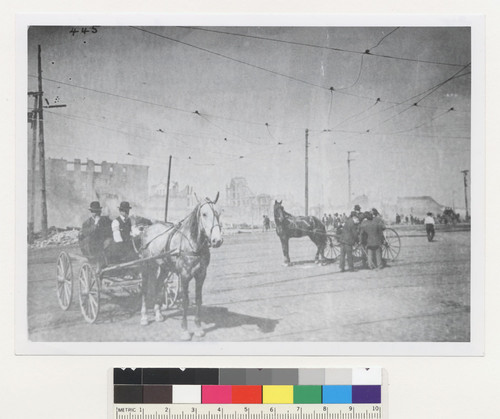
x=321 y=230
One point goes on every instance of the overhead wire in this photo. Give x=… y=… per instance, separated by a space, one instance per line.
x=429 y=92
x=324 y=47
x=340 y=89
x=74 y=118
x=207 y=114
x=426 y=93
x=230 y=157
x=422 y=124
x=223 y=129
x=112 y=94
x=276 y=73
x=379 y=42
x=230 y=58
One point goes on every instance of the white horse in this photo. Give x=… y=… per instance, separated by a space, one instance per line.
x=189 y=241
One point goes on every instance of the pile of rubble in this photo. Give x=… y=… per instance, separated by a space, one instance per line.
x=60 y=238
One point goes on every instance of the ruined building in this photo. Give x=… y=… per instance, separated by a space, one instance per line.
x=72 y=185
x=180 y=201
x=243 y=206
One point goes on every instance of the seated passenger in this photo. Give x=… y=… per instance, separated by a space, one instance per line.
x=122 y=248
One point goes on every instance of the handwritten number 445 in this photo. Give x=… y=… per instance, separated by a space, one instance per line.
x=83 y=30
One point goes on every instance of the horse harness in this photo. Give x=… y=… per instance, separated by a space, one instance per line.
x=176 y=229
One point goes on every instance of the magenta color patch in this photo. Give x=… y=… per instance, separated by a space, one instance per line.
x=216 y=394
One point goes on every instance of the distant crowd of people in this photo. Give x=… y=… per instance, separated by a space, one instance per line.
x=447 y=217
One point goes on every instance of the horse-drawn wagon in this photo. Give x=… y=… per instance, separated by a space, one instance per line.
x=92 y=282
x=327 y=241
x=168 y=257
x=390 y=247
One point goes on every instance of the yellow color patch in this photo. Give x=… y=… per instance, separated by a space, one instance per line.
x=277 y=394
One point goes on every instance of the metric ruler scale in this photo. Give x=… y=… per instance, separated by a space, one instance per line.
x=278 y=411
x=213 y=393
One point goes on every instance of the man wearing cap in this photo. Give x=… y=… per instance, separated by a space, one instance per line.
x=95 y=230
x=347 y=239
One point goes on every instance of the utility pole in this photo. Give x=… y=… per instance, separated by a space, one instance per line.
x=465 y=172
x=34 y=122
x=349 y=178
x=41 y=145
x=307 y=174
x=168 y=187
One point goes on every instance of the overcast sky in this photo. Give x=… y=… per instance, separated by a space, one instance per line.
x=228 y=102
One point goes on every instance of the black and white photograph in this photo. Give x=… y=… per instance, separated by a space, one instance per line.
x=237 y=189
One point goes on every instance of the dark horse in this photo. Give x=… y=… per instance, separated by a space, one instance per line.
x=190 y=241
x=288 y=226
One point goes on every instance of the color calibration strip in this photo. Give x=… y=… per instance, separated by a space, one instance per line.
x=247 y=386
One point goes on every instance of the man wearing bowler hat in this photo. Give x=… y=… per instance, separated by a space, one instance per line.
x=348 y=238
x=95 y=230
x=122 y=248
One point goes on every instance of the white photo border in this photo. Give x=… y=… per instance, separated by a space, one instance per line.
x=473 y=348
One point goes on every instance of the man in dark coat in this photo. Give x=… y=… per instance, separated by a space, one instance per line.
x=348 y=238
x=373 y=232
x=95 y=230
x=122 y=249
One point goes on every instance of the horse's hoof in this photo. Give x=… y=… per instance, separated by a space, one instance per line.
x=144 y=321
x=159 y=317
x=199 y=333
x=185 y=335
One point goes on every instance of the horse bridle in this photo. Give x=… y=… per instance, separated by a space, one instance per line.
x=216 y=215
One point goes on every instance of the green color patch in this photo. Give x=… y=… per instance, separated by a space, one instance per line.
x=306 y=394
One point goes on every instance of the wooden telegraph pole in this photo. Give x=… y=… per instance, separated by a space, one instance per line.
x=307 y=174
x=41 y=146
x=349 y=179
x=34 y=123
x=168 y=187
x=465 y=172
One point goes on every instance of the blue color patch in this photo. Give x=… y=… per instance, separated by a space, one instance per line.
x=337 y=394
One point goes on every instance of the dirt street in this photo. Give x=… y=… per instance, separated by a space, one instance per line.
x=424 y=296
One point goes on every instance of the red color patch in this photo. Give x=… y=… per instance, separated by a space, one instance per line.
x=247 y=394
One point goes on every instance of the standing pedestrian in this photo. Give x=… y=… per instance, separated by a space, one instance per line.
x=348 y=238
x=377 y=217
x=373 y=231
x=429 y=226
x=329 y=222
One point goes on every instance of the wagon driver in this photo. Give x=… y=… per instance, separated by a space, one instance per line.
x=95 y=230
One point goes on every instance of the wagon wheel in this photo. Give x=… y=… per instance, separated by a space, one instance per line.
x=89 y=292
x=392 y=245
x=171 y=286
x=332 y=249
x=64 y=280
x=359 y=255
x=358 y=251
